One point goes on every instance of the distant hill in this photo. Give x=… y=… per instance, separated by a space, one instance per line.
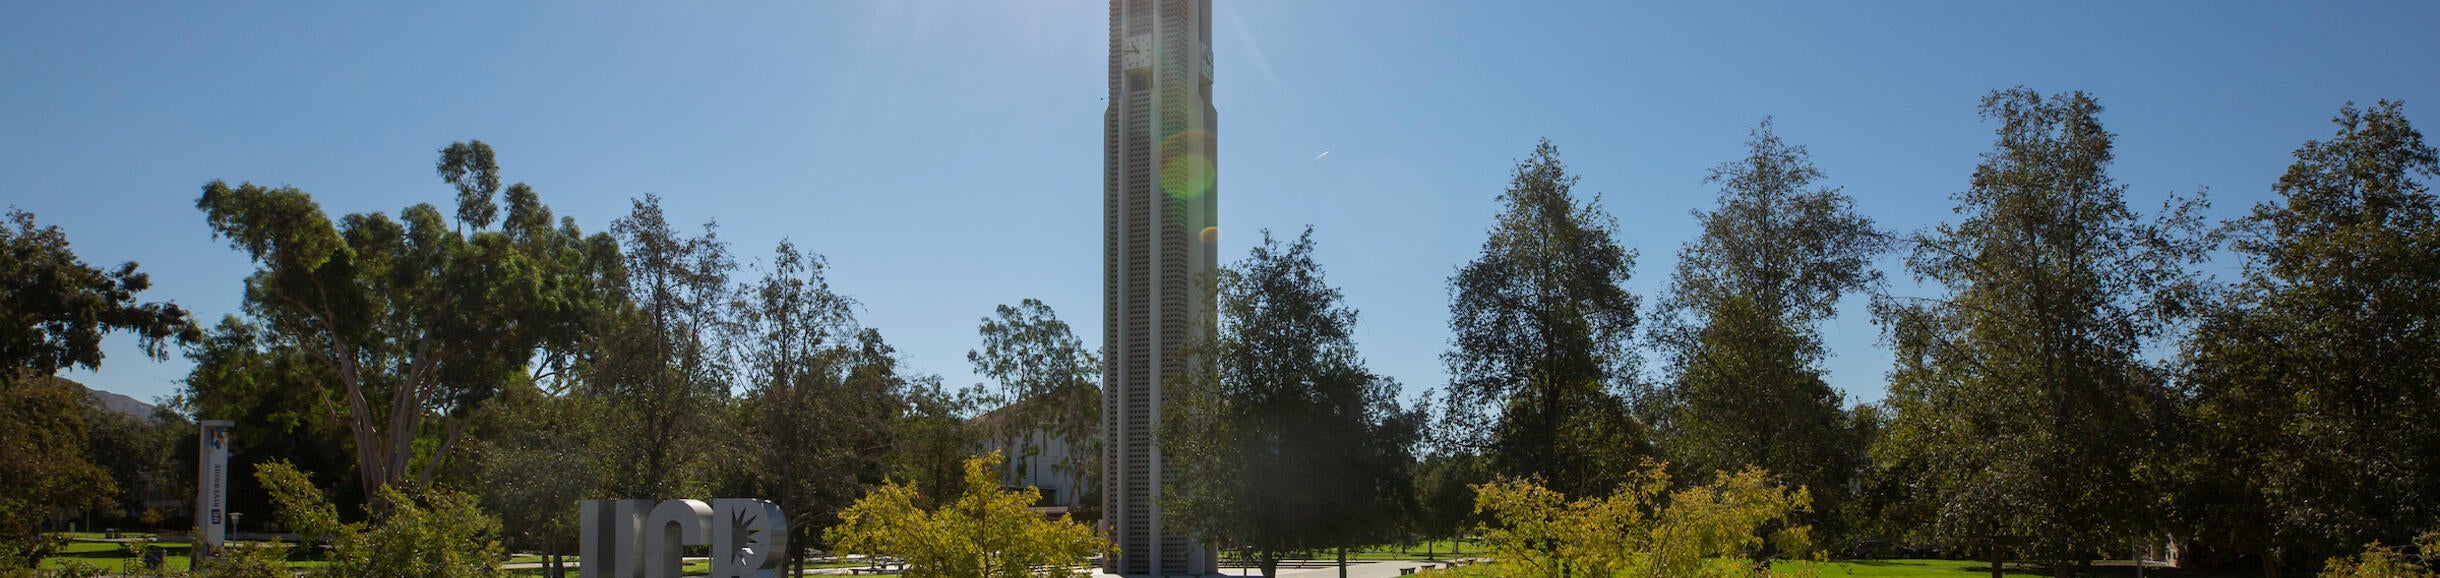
x=115 y=403
x=122 y=405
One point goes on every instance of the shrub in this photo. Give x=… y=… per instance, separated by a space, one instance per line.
x=2380 y=561
x=248 y=561
x=436 y=533
x=986 y=533
x=1642 y=529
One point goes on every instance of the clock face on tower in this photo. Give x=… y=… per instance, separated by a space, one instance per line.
x=1137 y=53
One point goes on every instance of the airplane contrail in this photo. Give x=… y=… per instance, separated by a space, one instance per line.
x=1319 y=156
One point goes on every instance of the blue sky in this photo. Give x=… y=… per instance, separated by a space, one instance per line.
x=946 y=157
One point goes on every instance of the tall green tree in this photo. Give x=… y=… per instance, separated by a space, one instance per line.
x=44 y=470
x=415 y=323
x=1542 y=321
x=140 y=453
x=1047 y=385
x=1295 y=446
x=1444 y=498
x=931 y=440
x=532 y=465
x=2320 y=376
x=666 y=367
x=54 y=309
x=819 y=396
x=2021 y=390
x=281 y=404
x=1740 y=324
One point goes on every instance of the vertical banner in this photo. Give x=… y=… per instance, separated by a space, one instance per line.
x=212 y=488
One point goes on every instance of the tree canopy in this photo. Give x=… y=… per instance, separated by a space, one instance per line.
x=2021 y=392
x=1289 y=444
x=414 y=322
x=2319 y=374
x=54 y=309
x=1542 y=322
x=1739 y=323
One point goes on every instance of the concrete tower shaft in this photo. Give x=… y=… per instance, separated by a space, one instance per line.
x=1160 y=209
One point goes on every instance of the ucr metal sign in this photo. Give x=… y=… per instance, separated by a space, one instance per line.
x=641 y=539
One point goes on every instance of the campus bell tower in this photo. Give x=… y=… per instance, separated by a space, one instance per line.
x=1160 y=230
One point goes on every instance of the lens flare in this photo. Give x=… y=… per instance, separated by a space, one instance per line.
x=1186 y=166
x=1211 y=235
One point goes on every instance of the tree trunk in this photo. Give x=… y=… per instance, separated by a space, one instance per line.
x=1342 y=562
x=1270 y=566
x=1995 y=560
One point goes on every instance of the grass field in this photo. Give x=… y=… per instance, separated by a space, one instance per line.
x=114 y=557
x=691 y=569
x=110 y=556
x=1962 y=569
x=1905 y=568
x=1437 y=550
x=1920 y=569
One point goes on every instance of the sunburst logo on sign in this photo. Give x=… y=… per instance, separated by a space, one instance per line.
x=641 y=539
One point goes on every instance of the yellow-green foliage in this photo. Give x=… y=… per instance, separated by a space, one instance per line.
x=2380 y=561
x=986 y=533
x=437 y=534
x=269 y=560
x=1642 y=529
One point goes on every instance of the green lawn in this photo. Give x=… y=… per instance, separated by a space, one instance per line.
x=98 y=535
x=1896 y=568
x=113 y=556
x=1438 y=550
x=110 y=556
x=691 y=569
x=1963 y=569
x=1918 y=568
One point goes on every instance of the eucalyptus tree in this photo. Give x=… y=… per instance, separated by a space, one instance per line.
x=1740 y=324
x=1540 y=363
x=280 y=399
x=1046 y=386
x=2320 y=377
x=2021 y=390
x=414 y=322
